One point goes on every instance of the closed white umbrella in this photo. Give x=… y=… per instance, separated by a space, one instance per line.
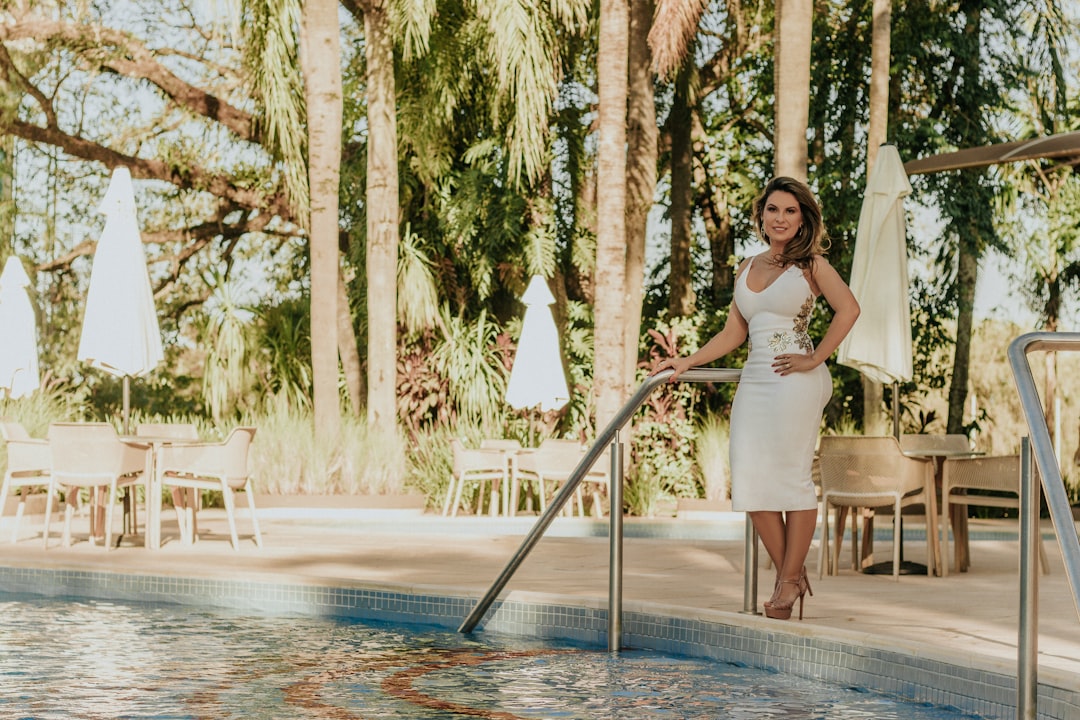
x=879 y=345
x=120 y=332
x=537 y=378
x=18 y=332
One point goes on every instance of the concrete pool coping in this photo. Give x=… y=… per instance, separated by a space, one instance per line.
x=682 y=593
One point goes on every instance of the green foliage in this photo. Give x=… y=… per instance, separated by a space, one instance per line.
x=474 y=365
x=431 y=465
x=662 y=452
x=712 y=438
x=284 y=352
x=53 y=402
x=226 y=374
x=417 y=298
x=423 y=393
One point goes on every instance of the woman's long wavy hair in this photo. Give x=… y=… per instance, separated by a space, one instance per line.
x=811 y=239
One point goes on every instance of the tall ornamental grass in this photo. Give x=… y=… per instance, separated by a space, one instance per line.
x=287 y=458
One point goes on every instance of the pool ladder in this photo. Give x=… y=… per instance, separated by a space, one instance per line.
x=1053 y=489
x=610 y=438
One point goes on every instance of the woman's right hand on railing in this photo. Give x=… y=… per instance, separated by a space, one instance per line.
x=678 y=364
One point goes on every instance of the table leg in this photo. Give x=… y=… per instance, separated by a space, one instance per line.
x=867 y=545
x=153 y=501
x=960 y=536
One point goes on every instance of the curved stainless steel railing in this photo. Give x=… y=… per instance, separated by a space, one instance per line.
x=603 y=440
x=1053 y=488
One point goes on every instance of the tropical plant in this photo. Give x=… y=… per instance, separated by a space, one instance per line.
x=711 y=455
x=471 y=360
x=226 y=372
x=662 y=450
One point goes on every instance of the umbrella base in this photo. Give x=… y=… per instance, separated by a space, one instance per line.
x=886 y=568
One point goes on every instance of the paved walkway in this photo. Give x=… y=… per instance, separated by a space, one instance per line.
x=697 y=566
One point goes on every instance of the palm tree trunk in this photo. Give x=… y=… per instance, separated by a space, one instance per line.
x=349 y=351
x=966 y=276
x=382 y=218
x=320 y=59
x=681 y=300
x=791 y=107
x=642 y=136
x=609 y=333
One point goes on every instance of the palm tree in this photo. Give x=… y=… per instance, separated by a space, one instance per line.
x=641 y=151
x=609 y=335
x=320 y=53
x=382 y=207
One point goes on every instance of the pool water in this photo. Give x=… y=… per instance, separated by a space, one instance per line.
x=91 y=659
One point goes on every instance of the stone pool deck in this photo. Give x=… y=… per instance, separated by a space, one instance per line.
x=680 y=566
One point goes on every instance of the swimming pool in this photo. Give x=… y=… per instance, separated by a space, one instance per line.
x=64 y=658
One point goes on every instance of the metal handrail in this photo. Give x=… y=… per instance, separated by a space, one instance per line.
x=1053 y=489
x=603 y=440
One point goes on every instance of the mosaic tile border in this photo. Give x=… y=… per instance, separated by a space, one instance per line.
x=842 y=661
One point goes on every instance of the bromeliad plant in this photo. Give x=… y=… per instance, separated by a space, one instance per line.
x=662 y=452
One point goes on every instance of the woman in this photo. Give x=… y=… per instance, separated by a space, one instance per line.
x=784 y=385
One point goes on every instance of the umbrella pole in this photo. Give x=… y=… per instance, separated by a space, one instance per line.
x=127 y=405
x=896 y=409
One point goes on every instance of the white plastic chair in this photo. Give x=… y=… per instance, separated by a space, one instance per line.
x=509 y=447
x=29 y=465
x=551 y=465
x=91 y=455
x=221 y=466
x=479 y=466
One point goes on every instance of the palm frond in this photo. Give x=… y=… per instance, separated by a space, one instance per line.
x=271 y=54
x=411 y=22
x=674 y=26
x=417 y=298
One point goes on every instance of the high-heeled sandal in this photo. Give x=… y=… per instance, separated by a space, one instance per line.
x=782 y=611
x=803 y=580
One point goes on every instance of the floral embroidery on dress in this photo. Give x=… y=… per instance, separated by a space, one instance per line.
x=802 y=321
x=781 y=340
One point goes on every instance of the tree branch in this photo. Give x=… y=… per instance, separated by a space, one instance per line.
x=121 y=53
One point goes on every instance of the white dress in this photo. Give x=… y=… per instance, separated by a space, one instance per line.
x=775 y=419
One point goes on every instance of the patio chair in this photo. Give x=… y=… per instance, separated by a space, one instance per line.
x=92 y=455
x=476 y=466
x=221 y=466
x=509 y=447
x=29 y=465
x=550 y=465
x=998 y=474
x=872 y=472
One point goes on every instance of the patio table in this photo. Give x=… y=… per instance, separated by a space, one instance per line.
x=154 y=484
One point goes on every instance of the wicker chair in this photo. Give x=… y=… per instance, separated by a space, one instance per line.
x=997 y=473
x=873 y=472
